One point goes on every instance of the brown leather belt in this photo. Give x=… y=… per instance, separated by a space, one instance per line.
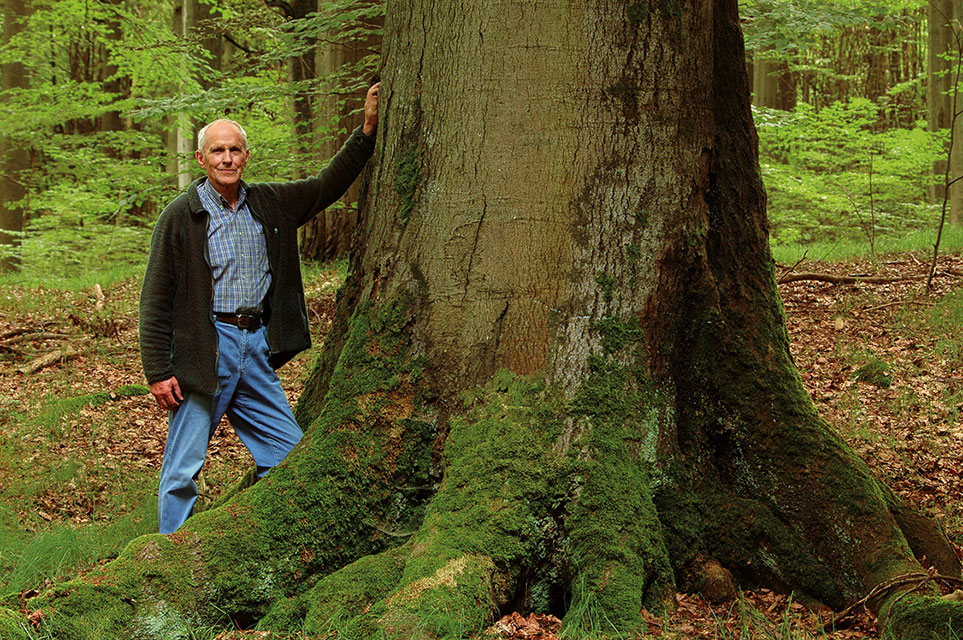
x=244 y=321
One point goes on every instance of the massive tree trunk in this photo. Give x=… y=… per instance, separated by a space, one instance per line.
x=14 y=156
x=559 y=378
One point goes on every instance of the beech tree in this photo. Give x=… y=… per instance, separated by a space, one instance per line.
x=14 y=157
x=943 y=44
x=559 y=379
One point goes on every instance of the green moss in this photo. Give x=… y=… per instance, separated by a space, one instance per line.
x=342 y=601
x=486 y=522
x=129 y=390
x=637 y=12
x=634 y=254
x=617 y=333
x=606 y=283
x=874 y=372
x=13 y=625
x=916 y=617
x=671 y=8
x=642 y=217
x=362 y=473
x=408 y=175
x=614 y=540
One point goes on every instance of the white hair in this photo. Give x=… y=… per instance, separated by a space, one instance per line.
x=203 y=132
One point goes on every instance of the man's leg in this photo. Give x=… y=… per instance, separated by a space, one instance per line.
x=188 y=432
x=259 y=410
x=190 y=429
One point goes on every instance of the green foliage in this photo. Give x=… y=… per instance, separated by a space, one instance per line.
x=832 y=174
x=793 y=25
x=108 y=83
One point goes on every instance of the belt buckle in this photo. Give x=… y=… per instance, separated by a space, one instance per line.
x=248 y=322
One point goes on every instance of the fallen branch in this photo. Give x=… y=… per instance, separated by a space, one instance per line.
x=16 y=331
x=37 y=335
x=893 y=304
x=828 y=277
x=48 y=359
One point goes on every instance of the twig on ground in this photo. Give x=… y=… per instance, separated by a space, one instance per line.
x=792 y=268
x=36 y=335
x=883 y=589
x=828 y=277
x=893 y=304
x=48 y=359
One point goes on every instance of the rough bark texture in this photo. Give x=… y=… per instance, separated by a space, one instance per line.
x=559 y=378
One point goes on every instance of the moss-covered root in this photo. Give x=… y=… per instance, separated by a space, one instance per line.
x=153 y=590
x=615 y=543
x=490 y=521
x=332 y=501
x=457 y=599
x=921 y=617
x=347 y=603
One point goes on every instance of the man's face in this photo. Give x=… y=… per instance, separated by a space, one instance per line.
x=223 y=157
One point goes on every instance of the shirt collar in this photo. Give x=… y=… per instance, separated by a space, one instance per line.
x=217 y=197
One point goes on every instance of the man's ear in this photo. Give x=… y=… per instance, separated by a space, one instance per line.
x=200 y=157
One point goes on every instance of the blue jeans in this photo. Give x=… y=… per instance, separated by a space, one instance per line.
x=250 y=394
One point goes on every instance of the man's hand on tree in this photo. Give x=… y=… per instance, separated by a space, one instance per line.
x=371 y=110
x=167 y=393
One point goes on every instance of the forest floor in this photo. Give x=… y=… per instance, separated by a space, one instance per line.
x=81 y=441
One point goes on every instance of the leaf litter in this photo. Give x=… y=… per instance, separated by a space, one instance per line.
x=909 y=431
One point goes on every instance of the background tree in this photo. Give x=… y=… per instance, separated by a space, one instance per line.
x=14 y=155
x=942 y=58
x=560 y=377
x=352 y=45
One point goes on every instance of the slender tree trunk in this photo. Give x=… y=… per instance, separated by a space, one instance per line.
x=180 y=130
x=773 y=85
x=14 y=155
x=329 y=235
x=559 y=379
x=941 y=61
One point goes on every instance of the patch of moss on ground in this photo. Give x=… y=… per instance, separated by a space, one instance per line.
x=875 y=372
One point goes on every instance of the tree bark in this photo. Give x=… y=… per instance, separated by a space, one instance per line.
x=14 y=155
x=940 y=78
x=773 y=84
x=559 y=378
x=180 y=130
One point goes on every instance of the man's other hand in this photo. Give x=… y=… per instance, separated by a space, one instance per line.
x=167 y=393
x=371 y=110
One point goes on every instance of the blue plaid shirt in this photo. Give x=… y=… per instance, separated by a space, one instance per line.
x=237 y=253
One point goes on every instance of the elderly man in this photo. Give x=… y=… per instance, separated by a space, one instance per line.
x=222 y=305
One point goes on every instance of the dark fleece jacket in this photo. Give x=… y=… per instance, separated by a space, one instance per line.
x=177 y=334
